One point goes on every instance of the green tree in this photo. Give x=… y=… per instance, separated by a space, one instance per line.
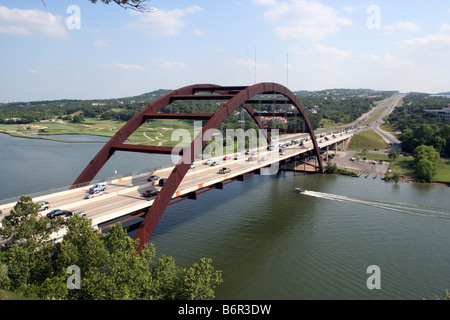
x=110 y=266
x=426 y=162
x=393 y=155
x=79 y=118
x=27 y=244
x=331 y=167
x=112 y=269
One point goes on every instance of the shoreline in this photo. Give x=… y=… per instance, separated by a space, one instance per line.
x=43 y=137
x=344 y=171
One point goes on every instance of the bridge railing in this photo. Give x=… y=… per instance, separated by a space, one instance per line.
x=65 y=188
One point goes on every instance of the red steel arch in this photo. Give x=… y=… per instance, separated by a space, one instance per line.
x=235 y=96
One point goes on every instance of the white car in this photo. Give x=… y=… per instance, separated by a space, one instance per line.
x=43 y=205
x=93 y=194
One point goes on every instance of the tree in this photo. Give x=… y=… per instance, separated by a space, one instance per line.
x=393 y=155
x=110 y=266
x=331 y=167
x=426 y=162
x=27 y=244
x=79 y=118
x=138 y=5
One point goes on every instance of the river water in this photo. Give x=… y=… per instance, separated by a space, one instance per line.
x=270 y=241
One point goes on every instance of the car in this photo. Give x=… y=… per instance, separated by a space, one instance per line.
x=264 y=159
x=193 y=165
x=152 y=178
x=43 y=205
x=161 y=182
x=56 y=213
x=227 y=158
x=237 y=157
x=71 y=213
x=252 y=158
x=98 y=187
x=209 y=162
x=93 y=194
x=224 y=170
x=150 y=193
x=215 y=163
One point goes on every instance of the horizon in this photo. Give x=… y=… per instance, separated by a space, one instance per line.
x=168 y=90
x=76 y=50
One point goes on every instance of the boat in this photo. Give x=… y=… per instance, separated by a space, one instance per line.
x=300 y=189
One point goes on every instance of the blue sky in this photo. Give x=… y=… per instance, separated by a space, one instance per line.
x=104 y=51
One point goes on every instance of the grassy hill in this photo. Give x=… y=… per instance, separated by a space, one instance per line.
x=369 y=140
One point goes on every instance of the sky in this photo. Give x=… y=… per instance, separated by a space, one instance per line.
x=73 y=49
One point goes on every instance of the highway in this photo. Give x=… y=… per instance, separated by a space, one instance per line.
x=124 y=196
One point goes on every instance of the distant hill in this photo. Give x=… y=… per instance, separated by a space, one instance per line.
x=443 y=94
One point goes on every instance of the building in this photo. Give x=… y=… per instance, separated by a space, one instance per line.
x=443 y=113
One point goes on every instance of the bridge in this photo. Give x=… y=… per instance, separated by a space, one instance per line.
x=123 y=201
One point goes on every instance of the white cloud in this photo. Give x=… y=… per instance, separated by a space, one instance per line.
x=304 y=19
x=349 y=8
x=264 y=2
x=30 y=22
x=323 y=52
x=122 y=66
x=402 y=25
x=200 y=33
x=445 y=28
x=164 y=21
x=101 y=43
x=31 y=71
x=249 y=63
x=430 y=41
x=166 y=64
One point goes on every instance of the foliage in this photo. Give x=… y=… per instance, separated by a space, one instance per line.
x=419 y=127
x=27 y=244
x=111 y=268
x=426 y=134
x=446 y=295
x=426 y=162
x=393 y=155
x=331 y=167
x=412 y=112
x=138 y=5
x=342 y=105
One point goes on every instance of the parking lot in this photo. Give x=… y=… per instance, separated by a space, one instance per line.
x=366 y=167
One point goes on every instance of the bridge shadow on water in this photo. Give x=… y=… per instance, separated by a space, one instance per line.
x=188 y=210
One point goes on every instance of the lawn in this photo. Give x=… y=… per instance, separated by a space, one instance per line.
x=443 y=173
x=404 y=166
x=368 y=140
x=158 y=132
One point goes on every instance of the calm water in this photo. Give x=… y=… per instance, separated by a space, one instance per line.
x=272 y=242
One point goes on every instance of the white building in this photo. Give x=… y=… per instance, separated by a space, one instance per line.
x=443 y=113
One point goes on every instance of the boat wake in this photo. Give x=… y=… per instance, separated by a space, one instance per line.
x=391 y=206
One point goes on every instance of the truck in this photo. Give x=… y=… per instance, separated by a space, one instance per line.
x=98 y=187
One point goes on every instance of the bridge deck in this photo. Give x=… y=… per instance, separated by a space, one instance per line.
x=124 y=196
